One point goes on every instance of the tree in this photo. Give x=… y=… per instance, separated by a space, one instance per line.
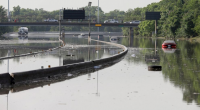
x=3 y=18
x=2 y=14
x=16 y=10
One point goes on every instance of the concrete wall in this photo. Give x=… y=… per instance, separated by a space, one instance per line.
x=48 y=72
x=5 y=79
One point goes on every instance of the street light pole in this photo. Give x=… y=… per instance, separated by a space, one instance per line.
x=8 y=12
x=59 y=25
x=98 y=15
x=89 y=5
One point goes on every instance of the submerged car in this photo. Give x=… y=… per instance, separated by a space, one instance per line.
x=169 y=44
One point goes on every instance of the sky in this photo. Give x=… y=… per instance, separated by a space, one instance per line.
x=50 y=5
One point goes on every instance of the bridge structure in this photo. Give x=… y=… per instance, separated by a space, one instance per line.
x=65 y=24
x=130 y=26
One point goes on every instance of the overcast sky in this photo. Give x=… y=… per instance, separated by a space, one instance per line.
x=50 y=5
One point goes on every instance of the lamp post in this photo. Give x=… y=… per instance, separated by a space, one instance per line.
x=98 y=15
x=60 y=24
x=89 y=5
x=8 y=12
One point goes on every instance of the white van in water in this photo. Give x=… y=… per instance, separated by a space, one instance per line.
x=22 y=30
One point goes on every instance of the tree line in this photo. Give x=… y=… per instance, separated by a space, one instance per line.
x=179 y=18
x=39 y=15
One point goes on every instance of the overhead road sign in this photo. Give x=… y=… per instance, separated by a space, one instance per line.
x=153 y=16
x=73 y=14
x=98 y=25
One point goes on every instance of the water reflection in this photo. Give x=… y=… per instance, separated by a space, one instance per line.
x=57 y=78
x=114 y=39
x=75 y=50
x=23 y=39
x=166 y=50
x=70 y=61
x=131 y=80
x=181 y=67
x=153 y=57
x=97 y=69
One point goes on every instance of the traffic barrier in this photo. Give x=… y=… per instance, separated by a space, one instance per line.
x=154 y=68
x=4 y=91
x=48 y=72
x=5 y=79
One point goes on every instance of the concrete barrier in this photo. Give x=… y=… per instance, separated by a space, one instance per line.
x=4 y=91
x=48 y=72
x=59 y=77
x=5 y=79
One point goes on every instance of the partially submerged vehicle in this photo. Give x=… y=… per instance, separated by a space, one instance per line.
x=23 y=31
x=169 y=44
x=114 y=39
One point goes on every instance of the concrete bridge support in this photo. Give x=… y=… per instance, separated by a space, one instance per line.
x=131 y=36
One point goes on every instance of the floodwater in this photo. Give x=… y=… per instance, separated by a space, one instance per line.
x=75 y=50
x=125 y=85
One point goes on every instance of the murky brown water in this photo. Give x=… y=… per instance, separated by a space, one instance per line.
x=126 y=85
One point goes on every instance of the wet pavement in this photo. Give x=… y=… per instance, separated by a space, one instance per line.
x=126 y=84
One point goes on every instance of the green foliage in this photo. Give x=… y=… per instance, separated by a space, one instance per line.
x=16 y=10
x=3 y=18
x=197 y=25
x=179 y=18
x=146 y=28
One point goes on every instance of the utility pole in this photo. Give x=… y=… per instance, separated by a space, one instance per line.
x=59 y=25
x=155 y=27
x=8 y=12
x=89 y=5
x=98 y=15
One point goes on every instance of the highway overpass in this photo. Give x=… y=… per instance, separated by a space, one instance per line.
x=66 y=24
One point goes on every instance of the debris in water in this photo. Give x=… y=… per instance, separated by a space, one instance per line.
x=70 y=55
x=133 y=55
x=196 y=93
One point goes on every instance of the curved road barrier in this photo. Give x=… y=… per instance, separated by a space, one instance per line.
x=154 y=68
x=20 y=77
x=57 y=78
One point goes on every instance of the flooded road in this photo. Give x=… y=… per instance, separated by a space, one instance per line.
x=126 y=84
